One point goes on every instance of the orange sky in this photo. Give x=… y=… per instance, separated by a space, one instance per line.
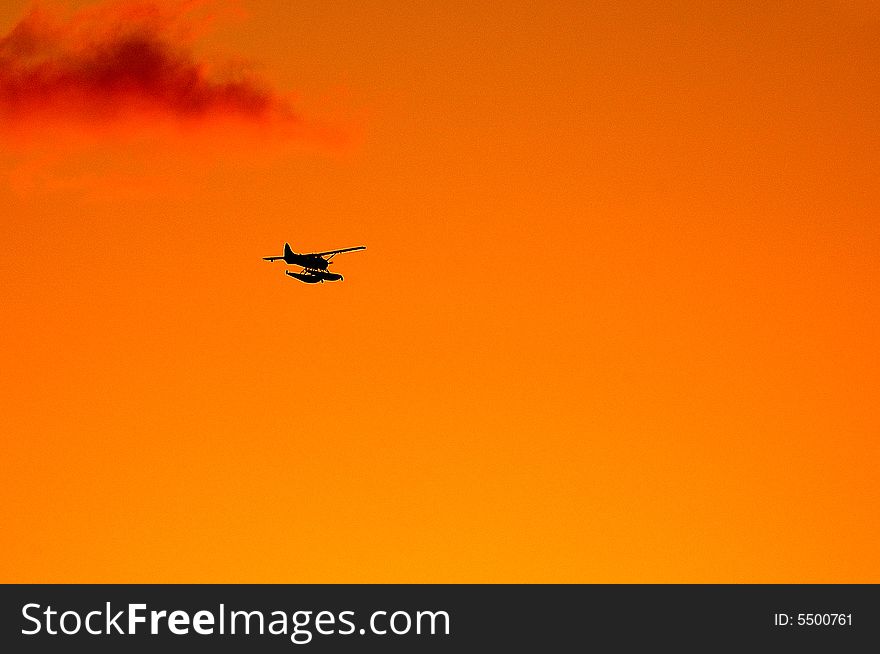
x=616 y=322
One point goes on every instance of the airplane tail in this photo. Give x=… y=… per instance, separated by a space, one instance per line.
x=288 y=253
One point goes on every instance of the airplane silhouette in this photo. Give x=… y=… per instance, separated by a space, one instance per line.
x=314 y=264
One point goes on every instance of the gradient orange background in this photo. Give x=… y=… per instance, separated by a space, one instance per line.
x=617 y=320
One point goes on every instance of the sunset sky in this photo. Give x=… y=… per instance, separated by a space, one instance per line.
x=617 y=320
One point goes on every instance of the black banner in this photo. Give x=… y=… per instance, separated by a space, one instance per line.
x=435 y=618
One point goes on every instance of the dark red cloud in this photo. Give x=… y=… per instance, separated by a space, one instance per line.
x=115 y=62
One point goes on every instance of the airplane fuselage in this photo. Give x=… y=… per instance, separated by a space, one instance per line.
x=306 y=261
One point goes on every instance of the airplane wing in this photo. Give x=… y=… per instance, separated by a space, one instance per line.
x=324 y=254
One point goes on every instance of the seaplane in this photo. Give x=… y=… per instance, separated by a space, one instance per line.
x=314 y=264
